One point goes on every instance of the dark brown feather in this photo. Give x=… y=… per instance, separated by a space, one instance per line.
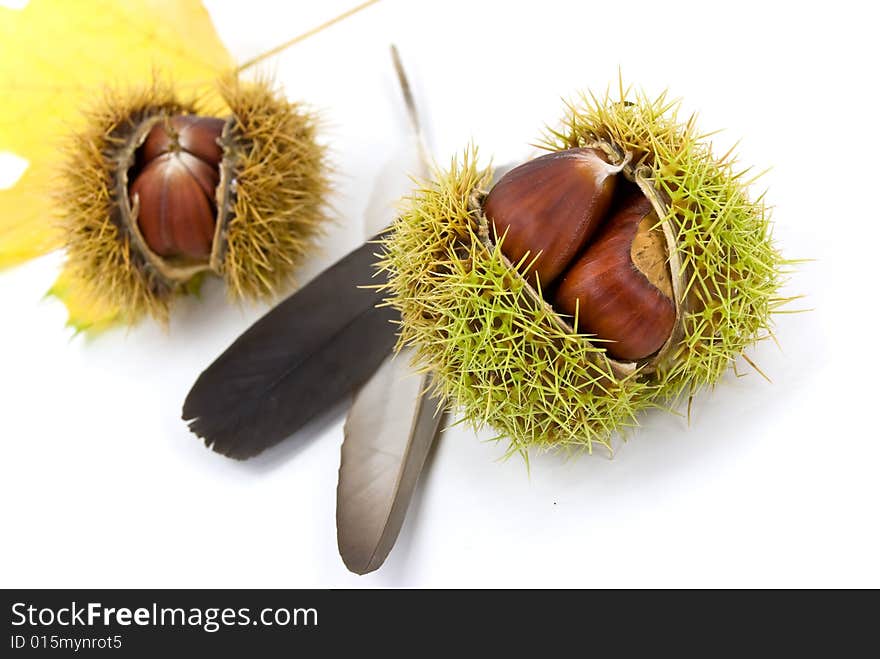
x=298 y=360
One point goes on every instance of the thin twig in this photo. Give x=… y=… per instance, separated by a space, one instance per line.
x=304 y=36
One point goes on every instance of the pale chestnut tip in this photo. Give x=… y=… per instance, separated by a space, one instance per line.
x=194 y=134
x=597 y=253
x=174 y=186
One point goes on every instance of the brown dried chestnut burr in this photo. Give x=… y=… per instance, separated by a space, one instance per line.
x=157 y=194
x=592 y=244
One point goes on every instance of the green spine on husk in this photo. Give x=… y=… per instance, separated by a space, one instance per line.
x=507 y=360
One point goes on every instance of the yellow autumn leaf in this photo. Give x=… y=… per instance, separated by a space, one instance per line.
x=65 y=68
x=56 y=55
x=84 y=312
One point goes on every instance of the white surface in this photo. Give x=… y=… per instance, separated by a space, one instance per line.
x=102 y=485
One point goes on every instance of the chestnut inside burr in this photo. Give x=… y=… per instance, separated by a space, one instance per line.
x=588 y=241
x=173 y=186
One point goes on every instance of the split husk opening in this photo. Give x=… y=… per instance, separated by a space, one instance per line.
x=637 y=175
x=177 y=270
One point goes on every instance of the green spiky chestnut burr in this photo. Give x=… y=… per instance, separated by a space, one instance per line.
x=156 y=192
x=623 y=271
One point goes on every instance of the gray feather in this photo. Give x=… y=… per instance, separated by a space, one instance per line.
x=388 y=435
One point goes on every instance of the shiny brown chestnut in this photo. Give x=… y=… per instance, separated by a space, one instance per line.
x=174 y=186
x=596 y=240
x=620 y=286
x=550 y=207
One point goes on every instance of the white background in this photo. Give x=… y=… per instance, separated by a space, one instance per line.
x=102 y=485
